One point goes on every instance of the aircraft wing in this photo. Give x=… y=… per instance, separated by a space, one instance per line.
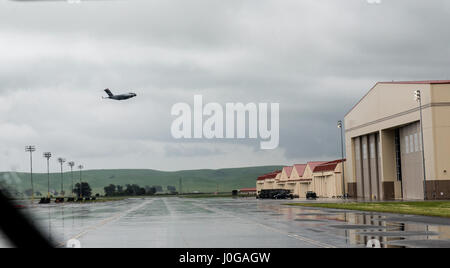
x=109 y=92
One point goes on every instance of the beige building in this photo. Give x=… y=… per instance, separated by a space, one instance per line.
x=327 y=179
x=259 y=185
x=308 y=176
x=296 y=180
x=282 y=180
x=324 y=178
x=293 y=180
x=384 y=142
x=267 y=181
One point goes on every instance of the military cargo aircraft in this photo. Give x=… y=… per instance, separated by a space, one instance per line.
x=125 y=96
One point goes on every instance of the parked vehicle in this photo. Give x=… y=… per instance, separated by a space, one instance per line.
x=284 y=195
x=45 y=200
x=311 y=195
x=275 y=194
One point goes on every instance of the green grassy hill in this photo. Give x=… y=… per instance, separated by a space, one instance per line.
x=192 y=180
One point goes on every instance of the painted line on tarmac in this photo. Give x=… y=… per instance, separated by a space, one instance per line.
x=175 y=217
x=297 y=237
x=106 y=221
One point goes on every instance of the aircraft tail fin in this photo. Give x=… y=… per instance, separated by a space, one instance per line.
x=109 y=92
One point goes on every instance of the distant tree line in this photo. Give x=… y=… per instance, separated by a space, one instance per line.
x=134 y=190
x=86 y=190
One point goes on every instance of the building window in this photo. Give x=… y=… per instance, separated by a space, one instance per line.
x=364 y=151
x=416 y=142
x=398 y=156
x=407 y=144
x=372 y=150
x=379 y=148
x=357 y=150
x=411 y=143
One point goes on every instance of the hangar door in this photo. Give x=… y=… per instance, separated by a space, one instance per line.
x=411 y=160
x=304 y=187
x=367 y=168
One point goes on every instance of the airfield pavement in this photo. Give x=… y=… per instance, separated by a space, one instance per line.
x=229 y=223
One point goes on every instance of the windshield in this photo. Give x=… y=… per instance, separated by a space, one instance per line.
x=240 y=116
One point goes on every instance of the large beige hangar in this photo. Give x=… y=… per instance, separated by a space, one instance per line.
x=384 y=142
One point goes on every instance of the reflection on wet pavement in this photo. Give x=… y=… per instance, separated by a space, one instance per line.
x=231 y=223
x=358 y=227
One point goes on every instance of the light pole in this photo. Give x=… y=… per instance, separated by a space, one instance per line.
x=81 y=168
x=48 y=155
x=61 y=162
x=340 y=126
x=71 y=165
x=31 y=149
x=418 y=98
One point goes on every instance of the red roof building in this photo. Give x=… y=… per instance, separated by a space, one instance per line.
x=288 y=171
x=248 y=190
x=328 y=166
x=271 y=175
x=300 y=169
x=313 y=164
x=322 y=177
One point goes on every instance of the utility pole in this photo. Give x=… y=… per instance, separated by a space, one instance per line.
x=71 y=165
x=340 y=126
x=418 y=98
x=61 y=162
x=31 y=149
x=181 y=186
x=48 y=155
x=81 y=168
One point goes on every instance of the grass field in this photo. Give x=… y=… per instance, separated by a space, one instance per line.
x=220 y=195
x=206 y=181
x=428 y=208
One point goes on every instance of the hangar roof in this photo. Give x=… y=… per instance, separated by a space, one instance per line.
x=424 y=82
x=300 y=169
x=269 y=175
x=430 y=82
x=247 y=190
x=328 y=166
x=288 y=170
x=312 y=165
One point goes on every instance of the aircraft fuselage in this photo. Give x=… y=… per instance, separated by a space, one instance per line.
x=120 y=96
x=123 y=96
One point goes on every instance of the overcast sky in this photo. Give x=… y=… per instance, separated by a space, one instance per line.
x=316 y=58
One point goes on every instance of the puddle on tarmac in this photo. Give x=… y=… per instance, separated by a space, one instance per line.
x=359 y=227
x=349 y=228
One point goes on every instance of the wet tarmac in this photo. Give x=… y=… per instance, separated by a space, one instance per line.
x=230 y=223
